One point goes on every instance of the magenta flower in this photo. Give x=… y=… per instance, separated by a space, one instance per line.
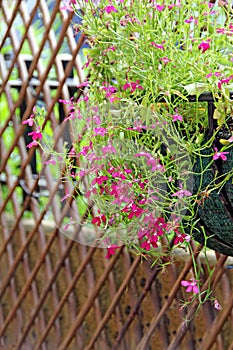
x=83 y=84
x=67 y=195
x=181 y=193
x=216 y=74
x=110 y=8
x=111 y=249
x=99 y=180
x=133 y=86
x=68 y=5
x=29 y=121
x=109 y=89
x=191 y=20
x=218 y=155
x=176 y=117
x=98 y=220
x=159 y=46
x=50 y=161
x=191 y=286
x=133 y=210
x=180 y=237
x=108 y=149
x=224 y=81
x=100 y=131
x=159 y=8
x=32 y=144
x=154 y=240
x=204 y=45
x=146 y=245
x=230 y=139
x=165 y=60
x=35 y=134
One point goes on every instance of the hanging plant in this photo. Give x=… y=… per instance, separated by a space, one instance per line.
x=152 y=132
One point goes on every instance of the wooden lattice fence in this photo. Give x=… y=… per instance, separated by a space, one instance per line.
x=56 y=293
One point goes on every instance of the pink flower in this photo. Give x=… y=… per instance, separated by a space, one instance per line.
x=204 y=45
x=109 y=89
x=100 y=131
x=83 y=84
x=181 y=193
x=191 y=286
x=31 y=144
x=230 y=139
x=110 y=8
x=29 y=121
x=108 y=149
x=98 y=220
x=180 y=237
x=224 y=81
x=146 y=245
x=217 y=306
x=218 y=155
x=216 y=74
x=68 y=5
x=176 y=117
x=159 y=46
x=67 y=195
x=133 y=86
x=111 y=249
x=133 y=210
x=191 y=20
x=165 y=60
x=99 y=180
x=85 y=150
x=35 y=134
x=50 y=161
x=159 y=8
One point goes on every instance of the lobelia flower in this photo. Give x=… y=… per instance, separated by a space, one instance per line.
x=108 y=9
x=68 y=5
x=159 y=46
x=100 y=131
x=176 y=117
x=191 y=286
x=165 y=60
x=146 y=245
x=133 y=86
x=218 y=154
x=224 y=81
x=35 y=134
x=108 y=149
x=111 y=249
x=99 y=180
x=191 y=20
x=50 y=161
x=181 y=193
x=217 y=306
x=204 y=45
x=180 y=237
x=159 y=8
x=32 y=144
x=98 y=220
x=67 y=195
x=29 y=121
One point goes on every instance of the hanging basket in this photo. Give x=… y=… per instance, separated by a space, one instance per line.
x=215 y=208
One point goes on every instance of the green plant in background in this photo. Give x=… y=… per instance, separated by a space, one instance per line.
x=147 y=159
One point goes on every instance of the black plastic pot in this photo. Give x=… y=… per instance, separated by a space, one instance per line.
x=215 y=208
